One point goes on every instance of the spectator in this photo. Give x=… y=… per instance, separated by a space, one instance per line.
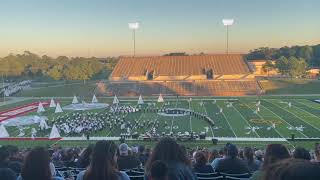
x=301 y=153
x=259 y=155
x=103 y=164
x=4 y=157
x=158 y=171
x=252 y=163
x=7 y=174
x=168 y=151
x=143 y=157
x=213 y=154
x=274 y=153
x=292 y=169
x=201 y=164
x=37 y=166
x=84 y=159
x=222 y=154
x=126 y=161
x=317 y=153
x=231 y=164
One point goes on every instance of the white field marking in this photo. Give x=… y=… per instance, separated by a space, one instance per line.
x=297 y=116
x=228 y=122
x=283 y=120
x=310 y=106
x=190 y=117
x=245 y=120
x=311 y=115
x=264 y=119
x=173 y=116
x=205 y=110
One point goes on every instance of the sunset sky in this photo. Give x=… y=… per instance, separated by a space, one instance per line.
x=100 y=27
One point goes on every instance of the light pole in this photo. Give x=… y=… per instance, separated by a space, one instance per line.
x=227 y=23
x=134 y=26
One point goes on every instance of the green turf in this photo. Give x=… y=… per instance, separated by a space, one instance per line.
x=233 y=122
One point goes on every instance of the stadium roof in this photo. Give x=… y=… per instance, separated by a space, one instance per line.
x=221 y=64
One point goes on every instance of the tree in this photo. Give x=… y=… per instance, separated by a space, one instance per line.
x=297 y=67
x=282 y=64
x=268 y=66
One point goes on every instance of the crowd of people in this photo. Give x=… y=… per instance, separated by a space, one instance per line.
x=15 y=88
x=166 y=161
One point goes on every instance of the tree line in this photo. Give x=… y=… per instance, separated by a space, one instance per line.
x=31 y=66
x=289 y=61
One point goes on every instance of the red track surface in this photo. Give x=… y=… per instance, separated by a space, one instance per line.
x=21 y=110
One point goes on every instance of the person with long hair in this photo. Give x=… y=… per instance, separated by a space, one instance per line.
x=201 y=163
x=274 y=153
x=252 y=163
x=168 y=151
x=84 y=159
x=292 y=169
x=37 y=166
x=103 y=165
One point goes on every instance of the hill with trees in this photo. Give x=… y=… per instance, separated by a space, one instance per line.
x=31 y=66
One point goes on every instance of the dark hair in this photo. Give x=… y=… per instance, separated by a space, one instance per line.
x=103 y=165
x=166 y=150
x=248 y=154
x=4 y=154
x=317 y=149
x=200 y=158
x=158 y=170
x=274 y=153
x=84 y=159
x=301 y=153
x=36 y=165
x=292 y=169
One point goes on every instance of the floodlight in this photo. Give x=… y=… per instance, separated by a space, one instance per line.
x=134 y=25
x=227 y=22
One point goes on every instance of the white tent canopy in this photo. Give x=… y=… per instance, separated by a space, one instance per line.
x=3 y=132
x=94 y=99
x=75 y=100
x=115 y=100
x=54 y=132
x=52 y=103
x=43 y=124
x=40 y=108
x=58 y=108
x=160 y=98
x=140 y=101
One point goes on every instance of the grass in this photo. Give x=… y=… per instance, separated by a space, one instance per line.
x=291 y=86
x=231 y=123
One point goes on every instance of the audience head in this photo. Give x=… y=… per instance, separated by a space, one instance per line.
x=103 y=163
x=259 y=155
x=248 y=154
x=200 y=158
x=4 y=154
x=317 y=151
x=7 y=174
x=292 y=169
x=124 y=149
x=141 y=149
x=167 y=150
x=158 y=171
x=36 y=165
x=301 y=153
x=232 y=151
x=275 y=153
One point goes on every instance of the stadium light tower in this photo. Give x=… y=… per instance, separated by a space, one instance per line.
x=134 y=26
x=227 y=23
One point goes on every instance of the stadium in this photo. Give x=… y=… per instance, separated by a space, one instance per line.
x=161 y=90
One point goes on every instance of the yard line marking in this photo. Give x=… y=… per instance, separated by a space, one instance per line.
x=227 y=122
x=245 y=120
x=307 y=105
x=283 y=120
x=311 y=115
x=297 y=116
x=205 y=110
x=173 y=116
x=261 y=117
x=190 y=117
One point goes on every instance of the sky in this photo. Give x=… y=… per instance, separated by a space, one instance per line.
x=100 y=27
